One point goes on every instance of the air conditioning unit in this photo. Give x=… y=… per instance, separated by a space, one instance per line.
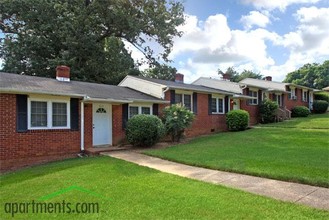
x=294 y=97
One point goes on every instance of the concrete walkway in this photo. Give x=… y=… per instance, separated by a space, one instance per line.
x=313 y=196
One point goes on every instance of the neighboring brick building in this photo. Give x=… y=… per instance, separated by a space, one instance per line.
x=287 y=95
x=45 y=119
x=209 y=105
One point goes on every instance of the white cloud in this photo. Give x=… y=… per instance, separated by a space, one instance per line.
x=255 y=18
x=311 y=36
x=212 y=43
x=277 y=4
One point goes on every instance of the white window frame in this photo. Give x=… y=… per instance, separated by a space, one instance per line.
x=293 y=93
x=183 y=98
x=49 y=113
x=304 y=95
x=140 y=106
x=251 y=101
x=217 y=104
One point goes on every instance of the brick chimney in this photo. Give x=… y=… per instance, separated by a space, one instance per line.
x=226 y=77
x=179 y=78
x=63 y=73
x=268 y=78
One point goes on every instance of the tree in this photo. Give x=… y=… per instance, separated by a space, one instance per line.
x=237 y=77
x=311 y=75
x=162 y=71
x=86 y=35
x=248 y=74
x=230 y=72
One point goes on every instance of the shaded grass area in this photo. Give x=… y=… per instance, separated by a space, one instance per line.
x=127 y=191
x=297 y=155
x=313 y=121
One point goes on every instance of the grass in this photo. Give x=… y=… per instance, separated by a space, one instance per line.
x=313 y=121
x=127 y=191
x=277 y=152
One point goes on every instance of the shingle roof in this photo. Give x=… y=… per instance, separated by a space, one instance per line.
x=31 y=84
x=219 y=84
x=271 y=85
x=183 y=86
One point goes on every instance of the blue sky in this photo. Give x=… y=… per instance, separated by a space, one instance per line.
x=269 y=37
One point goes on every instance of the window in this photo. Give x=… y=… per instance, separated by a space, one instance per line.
x=137 y=110
x=48 y=114
x=304 y=96
x=255 y=95
x=38 y=114
x=185 y=99
x=59 y=114
x=292 y=94
x=217 y=105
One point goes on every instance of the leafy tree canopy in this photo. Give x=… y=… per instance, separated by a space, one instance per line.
x=85 y=35
x=162 y=71
x=235 y=76
x=311 y=75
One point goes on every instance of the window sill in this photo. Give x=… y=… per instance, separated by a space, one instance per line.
x=217 y=113
x=46 y=128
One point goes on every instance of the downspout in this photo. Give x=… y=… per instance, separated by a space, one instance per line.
x=82 y=127
x=164 y=91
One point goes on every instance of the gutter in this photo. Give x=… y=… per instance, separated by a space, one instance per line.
x=16 y=91
x=88 y=99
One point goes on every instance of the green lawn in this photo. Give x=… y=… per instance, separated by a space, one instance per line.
x=314 y=121
x=291 y=154
x=127 y=191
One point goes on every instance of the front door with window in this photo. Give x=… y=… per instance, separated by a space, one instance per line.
x=102 y=124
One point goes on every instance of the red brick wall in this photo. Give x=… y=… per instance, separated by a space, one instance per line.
x=203 y=122
x=118 y=134
x=252 y=109
x=290 y=104
x=88 y=125
x=34 y=146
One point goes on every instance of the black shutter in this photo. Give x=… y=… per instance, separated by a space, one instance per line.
x=172 y=97
x=156 y=109
x=259 y=97
x=227 y=103
x=74 y=105
x=247 y=93
x=195 y=103
x=21 y=109
x=124 y=115
x=209 y=104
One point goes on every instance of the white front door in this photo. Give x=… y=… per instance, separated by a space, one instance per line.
x=102 y=124
x=236 y=104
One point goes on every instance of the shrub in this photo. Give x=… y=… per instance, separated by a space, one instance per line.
x=176 y=119
x=237 y=120
x=300 y=111
x=320 y=106
x=267 y=110
x=144 y=130
x=322 y=96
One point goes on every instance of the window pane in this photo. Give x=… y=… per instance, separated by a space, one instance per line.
x=146 y=110
x=178 y=98
x=187 y=102
x=214 y=105
x=59 y=114
x=133 y=110
x=38 y=114
x=220 y=106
